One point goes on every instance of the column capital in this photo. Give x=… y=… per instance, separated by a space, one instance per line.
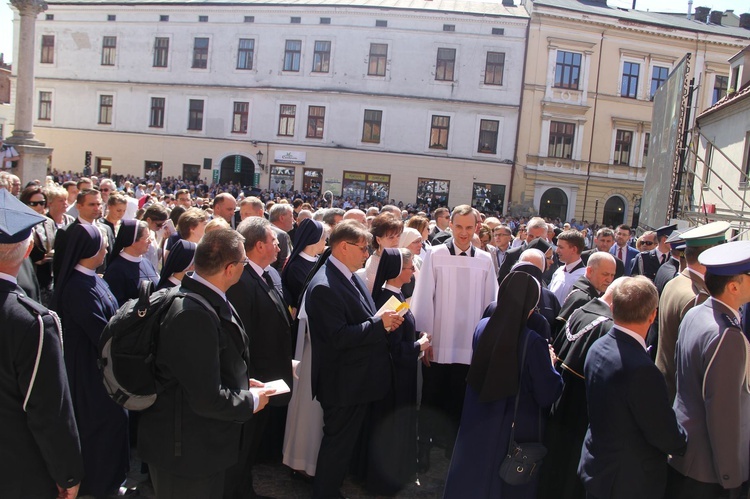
x=29 y=7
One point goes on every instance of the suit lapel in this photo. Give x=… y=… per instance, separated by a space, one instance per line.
x=271 y=292
x=368 y=305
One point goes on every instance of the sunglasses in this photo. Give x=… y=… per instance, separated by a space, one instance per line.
x=37 y=203
x=647 y=243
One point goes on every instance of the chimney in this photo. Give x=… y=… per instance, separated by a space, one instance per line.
x=745 y=21
x=701 y=14
x=715 y=17
x=690 y=10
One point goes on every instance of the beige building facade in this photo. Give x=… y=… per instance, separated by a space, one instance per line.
x=591 y=73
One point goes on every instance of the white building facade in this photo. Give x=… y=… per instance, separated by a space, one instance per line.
x=371 y=100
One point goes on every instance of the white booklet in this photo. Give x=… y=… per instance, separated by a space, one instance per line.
x=279 y=385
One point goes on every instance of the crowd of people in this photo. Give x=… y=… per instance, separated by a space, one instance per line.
x=543 y=358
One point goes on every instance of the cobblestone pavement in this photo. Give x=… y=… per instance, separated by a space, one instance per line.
x=275 y=480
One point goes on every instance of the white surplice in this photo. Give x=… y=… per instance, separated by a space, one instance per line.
x=562 y=282
x=304 y=421
x=449 y=299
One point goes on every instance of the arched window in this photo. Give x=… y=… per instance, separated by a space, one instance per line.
x=554 y=204
x=238 y=169
x=614 y=211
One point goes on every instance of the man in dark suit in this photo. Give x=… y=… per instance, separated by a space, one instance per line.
x=89 y=208
x=267 y=322
x=441 y=232
x=604 y=240
x=281 y=217
x=350 y=362
x=40 y=453
x=632 y=427
x=648 y=262
x=621 y=249
x=536 y=228
x=191 y=435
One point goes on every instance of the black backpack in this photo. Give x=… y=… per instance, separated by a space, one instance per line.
x=127 y=347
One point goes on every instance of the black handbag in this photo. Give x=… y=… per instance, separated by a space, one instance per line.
x=524 y=460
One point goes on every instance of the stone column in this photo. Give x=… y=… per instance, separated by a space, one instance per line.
x=33 y=164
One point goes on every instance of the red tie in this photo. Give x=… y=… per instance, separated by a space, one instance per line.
x=619 y=253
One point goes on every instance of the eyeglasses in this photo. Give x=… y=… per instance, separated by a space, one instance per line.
x=244 y=261
x=37 y=203
x=105 y=190
x=648 y=243
x=363 y=249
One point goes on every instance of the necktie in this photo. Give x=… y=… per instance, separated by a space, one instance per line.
x=619 y=254
x=463 y=253
x=663 y=258
x=357 y=287
x=267 y=278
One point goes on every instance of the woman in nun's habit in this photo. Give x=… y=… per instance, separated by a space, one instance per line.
x=494 y=378
x=127 y=266
x=309 y=242
x=179 y=261
x=85 y=304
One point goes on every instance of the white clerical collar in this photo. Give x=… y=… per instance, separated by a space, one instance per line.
x=208 y=285
x=84 y=222
x=392 y=288
x=343 y=268
x=635 y=335
x=85 y=270
x=131 y=258
x=735 y=312
x=309 y=258
x=9 y=278
x=570 y=266
x=257 y=268
x=174 y=281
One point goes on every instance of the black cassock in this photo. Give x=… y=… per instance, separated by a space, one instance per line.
x=85 y=307
x=566 y=427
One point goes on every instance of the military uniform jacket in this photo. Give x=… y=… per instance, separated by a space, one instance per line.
x=645 y=263
x=38 y=432
x=682 y=293
x=713 y=397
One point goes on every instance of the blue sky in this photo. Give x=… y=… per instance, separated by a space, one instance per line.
x=6 y=15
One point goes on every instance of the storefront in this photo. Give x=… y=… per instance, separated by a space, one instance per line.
x=433 y=192
x=366 y=187
x=488 y=198
x=282 y=178
x=312 y=180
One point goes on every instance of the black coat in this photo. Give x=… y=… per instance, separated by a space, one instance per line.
x=511 y=257
x=267 y=323
x=209 y=362
x=645 y=263
x=39 y=441
x=350 y=362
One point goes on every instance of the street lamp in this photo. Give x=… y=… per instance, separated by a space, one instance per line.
x=259 y=156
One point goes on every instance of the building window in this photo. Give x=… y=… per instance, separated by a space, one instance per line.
x=161 y=52
x=239 y=118
x=195 y=115
x=45 y=106
x=630 y=72
x=433 y=192
x=658 y=77
x=488 y=130
x=498 y=31
x=245 y=53
x=439 y=132
x=292 y=55
x=561 y=137
x=111 y=17
x=446 y=64
x=249 y=19
x=721 y=84
x=371 y=127
x=48 y=49
x=321 y=57
x=157 y=112
x=163 y=18
x=316 y=116
x=623 y=143
x=646 y=140
x=49 y=17
x=287 y=114
x=378 y=58
x=568 y=70
x=200 y=53
x=105 y=109
x=109 y=47
x=379 y=23
x=746 y=166
x=325 y=20
x=202 y=19
x=449 y=27
x=493 y=69
x=295 y=20
x=707 y=165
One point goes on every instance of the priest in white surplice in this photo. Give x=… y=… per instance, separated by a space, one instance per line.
x=456 y=283
x=570 y=245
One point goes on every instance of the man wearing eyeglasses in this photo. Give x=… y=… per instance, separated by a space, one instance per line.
x=621 y=249
x=647 y=263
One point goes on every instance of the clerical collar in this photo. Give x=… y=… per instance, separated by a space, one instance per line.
x=208 y=285
x=570 y=266
x=392 y=288
x=735 y=312
x=342 y=268
x=9 y=278
x=635 y=335
x=309 y=258
x=455 y=250
x=131 y=258
x=85 y=270
x=257 y=268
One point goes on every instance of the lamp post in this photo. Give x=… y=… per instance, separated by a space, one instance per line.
x=259 y=157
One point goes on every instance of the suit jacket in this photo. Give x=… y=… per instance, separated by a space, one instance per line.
x=632 y=427
x=630 y=253
x=208 y=360
x=511 y=257
x=39 y=435
x=619 y=265
x=713 y=402
x=285 y=248
x=350 y=362
x=267 y=322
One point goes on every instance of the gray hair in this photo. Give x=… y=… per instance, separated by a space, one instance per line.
x=536 y=223
x=534 y=257
x=13 y=253
x=254 y=230
x=278 y=210
x=330 y=214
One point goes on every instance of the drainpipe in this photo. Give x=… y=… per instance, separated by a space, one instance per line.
x=518 y=120
x=593 y=128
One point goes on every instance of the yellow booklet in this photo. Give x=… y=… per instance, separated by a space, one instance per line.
x=395 y=305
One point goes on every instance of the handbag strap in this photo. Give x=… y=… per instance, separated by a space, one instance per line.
x=515 y=409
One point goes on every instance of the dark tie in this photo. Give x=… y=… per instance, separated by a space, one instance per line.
x=463 y=253
x=663 y=258
x=357 y=287
x=619 y=254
